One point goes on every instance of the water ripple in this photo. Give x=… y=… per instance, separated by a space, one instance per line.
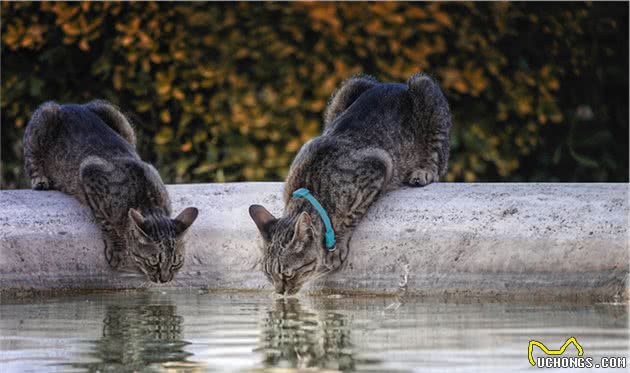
x=191 y=332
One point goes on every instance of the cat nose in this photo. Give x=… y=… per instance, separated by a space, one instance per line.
x=165 y=277
x=287 y=274
x=292 y=291
x=279 y=287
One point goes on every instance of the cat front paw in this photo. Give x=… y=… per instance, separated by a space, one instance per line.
x=40 y=183
x=422 y=177
x=333 y=261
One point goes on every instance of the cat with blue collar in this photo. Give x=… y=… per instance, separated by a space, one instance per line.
x=377 y=137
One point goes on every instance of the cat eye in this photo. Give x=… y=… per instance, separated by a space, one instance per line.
x=178 y=262
x=288 y=277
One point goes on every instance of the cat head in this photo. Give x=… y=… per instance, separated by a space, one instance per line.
x=292 y=249
x=156 y=242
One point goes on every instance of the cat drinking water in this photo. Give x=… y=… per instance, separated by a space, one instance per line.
x=89 y=152
x=377 y=137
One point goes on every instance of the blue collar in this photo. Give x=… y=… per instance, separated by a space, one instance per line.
x=330 y=233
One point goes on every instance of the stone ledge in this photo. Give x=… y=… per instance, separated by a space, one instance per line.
x=496 y=240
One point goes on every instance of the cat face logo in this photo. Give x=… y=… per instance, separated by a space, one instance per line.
x=547 y=351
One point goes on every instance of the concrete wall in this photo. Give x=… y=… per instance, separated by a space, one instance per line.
x=491 y=240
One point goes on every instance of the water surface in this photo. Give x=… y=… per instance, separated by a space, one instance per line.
x=177 y=331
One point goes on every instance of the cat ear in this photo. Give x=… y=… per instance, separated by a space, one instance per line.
x=137 y=220
x=185 y=219
x=303 y=226
x=346 y=94
x=262 y=218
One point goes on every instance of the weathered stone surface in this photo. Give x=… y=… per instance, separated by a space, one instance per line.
x=498 y=240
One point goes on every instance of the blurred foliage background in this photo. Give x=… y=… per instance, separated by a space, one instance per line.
x=230 y=91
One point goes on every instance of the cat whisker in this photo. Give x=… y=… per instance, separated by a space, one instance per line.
x=178 y=282
x=131 y=275
x=320 y=273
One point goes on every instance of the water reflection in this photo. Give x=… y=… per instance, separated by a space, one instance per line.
x=127 y=332
x=295 y=337
x=141 y=337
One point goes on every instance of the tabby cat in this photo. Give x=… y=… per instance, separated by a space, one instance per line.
x=89 y=151
x=377 y=137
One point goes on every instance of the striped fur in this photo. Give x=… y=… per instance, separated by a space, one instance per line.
x=88 y=151
x=377 y=137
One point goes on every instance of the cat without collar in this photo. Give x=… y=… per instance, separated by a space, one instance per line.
x=89 y=152
x=377 y=137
